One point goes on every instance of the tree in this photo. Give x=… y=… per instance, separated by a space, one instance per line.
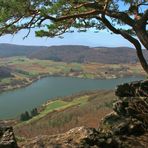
x=24 y=116
x=34 y=112
x=55 y=17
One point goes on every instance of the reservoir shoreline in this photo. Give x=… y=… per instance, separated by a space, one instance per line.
x=39 y=92
x=32 y=80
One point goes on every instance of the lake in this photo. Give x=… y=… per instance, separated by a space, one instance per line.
x=13 y=103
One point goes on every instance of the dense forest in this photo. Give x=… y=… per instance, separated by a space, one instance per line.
x=73 y=53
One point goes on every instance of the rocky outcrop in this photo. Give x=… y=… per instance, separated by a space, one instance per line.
x=134 y=89
x=132 y=101
x=7 y=139
x=130 y=116
x=126 y=127
x=74 y=138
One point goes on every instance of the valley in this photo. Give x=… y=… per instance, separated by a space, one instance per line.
x=24 y=71
x=22 y=65
x=33 y=96
x=68 y=87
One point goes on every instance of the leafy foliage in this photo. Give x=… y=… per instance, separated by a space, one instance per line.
x=34 y=112
x=58 y=16
x=26 y=115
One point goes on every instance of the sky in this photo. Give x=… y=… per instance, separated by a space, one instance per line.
x=89 y=38
x=103 y=38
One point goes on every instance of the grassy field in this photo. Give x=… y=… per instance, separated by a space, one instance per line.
x=57 y=105
x=60 y=115
x=26 y=70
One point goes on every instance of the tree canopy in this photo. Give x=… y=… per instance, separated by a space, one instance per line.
x=128 y=18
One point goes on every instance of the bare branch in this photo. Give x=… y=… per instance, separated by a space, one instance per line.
x=143 y=4
x=144 y=18
x=131 y=39
x=79 y=15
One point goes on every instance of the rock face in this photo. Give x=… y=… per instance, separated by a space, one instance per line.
x=74 y=138
x=7 y=139
x=126 y=127
x=130 y=116
x=132 y=101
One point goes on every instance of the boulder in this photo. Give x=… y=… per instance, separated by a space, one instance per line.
x=74 y=138
x=134 y=89
x=130 y=117
x=7 y=138
x=79 y=137
x=132 y=101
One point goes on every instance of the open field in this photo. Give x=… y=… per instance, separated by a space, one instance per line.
x=57 y=105
x=60 y=115
x=24 y=71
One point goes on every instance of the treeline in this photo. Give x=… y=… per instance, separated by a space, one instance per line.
x=5 y=72
x=26 y=115
x=85 y=54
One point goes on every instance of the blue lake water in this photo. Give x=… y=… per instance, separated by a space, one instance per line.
x=13 y=103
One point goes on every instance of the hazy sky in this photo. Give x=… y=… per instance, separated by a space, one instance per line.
x=89 y=38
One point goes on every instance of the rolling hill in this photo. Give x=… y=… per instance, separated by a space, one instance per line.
x=10 y=50
x=73 y=53
x=85 y=54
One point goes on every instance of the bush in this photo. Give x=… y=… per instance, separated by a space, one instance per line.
x=25 y=116
x=34 y=112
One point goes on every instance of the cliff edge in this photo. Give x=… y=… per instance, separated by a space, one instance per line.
x=7 y=138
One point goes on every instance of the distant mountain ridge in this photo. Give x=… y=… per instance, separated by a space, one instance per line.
x=73 y=53
x=10 y=50
x=84 y=54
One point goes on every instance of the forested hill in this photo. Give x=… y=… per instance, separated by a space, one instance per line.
x=9 y=50
x=73 y=53
x=84 y=54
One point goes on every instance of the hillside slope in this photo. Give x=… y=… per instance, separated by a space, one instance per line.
x=9 y=50
x=60 y=115
x=125 y=127
x=85 y=54
x=73 y=53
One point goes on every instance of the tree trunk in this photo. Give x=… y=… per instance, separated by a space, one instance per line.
x=142 y=59
x=142 y=36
